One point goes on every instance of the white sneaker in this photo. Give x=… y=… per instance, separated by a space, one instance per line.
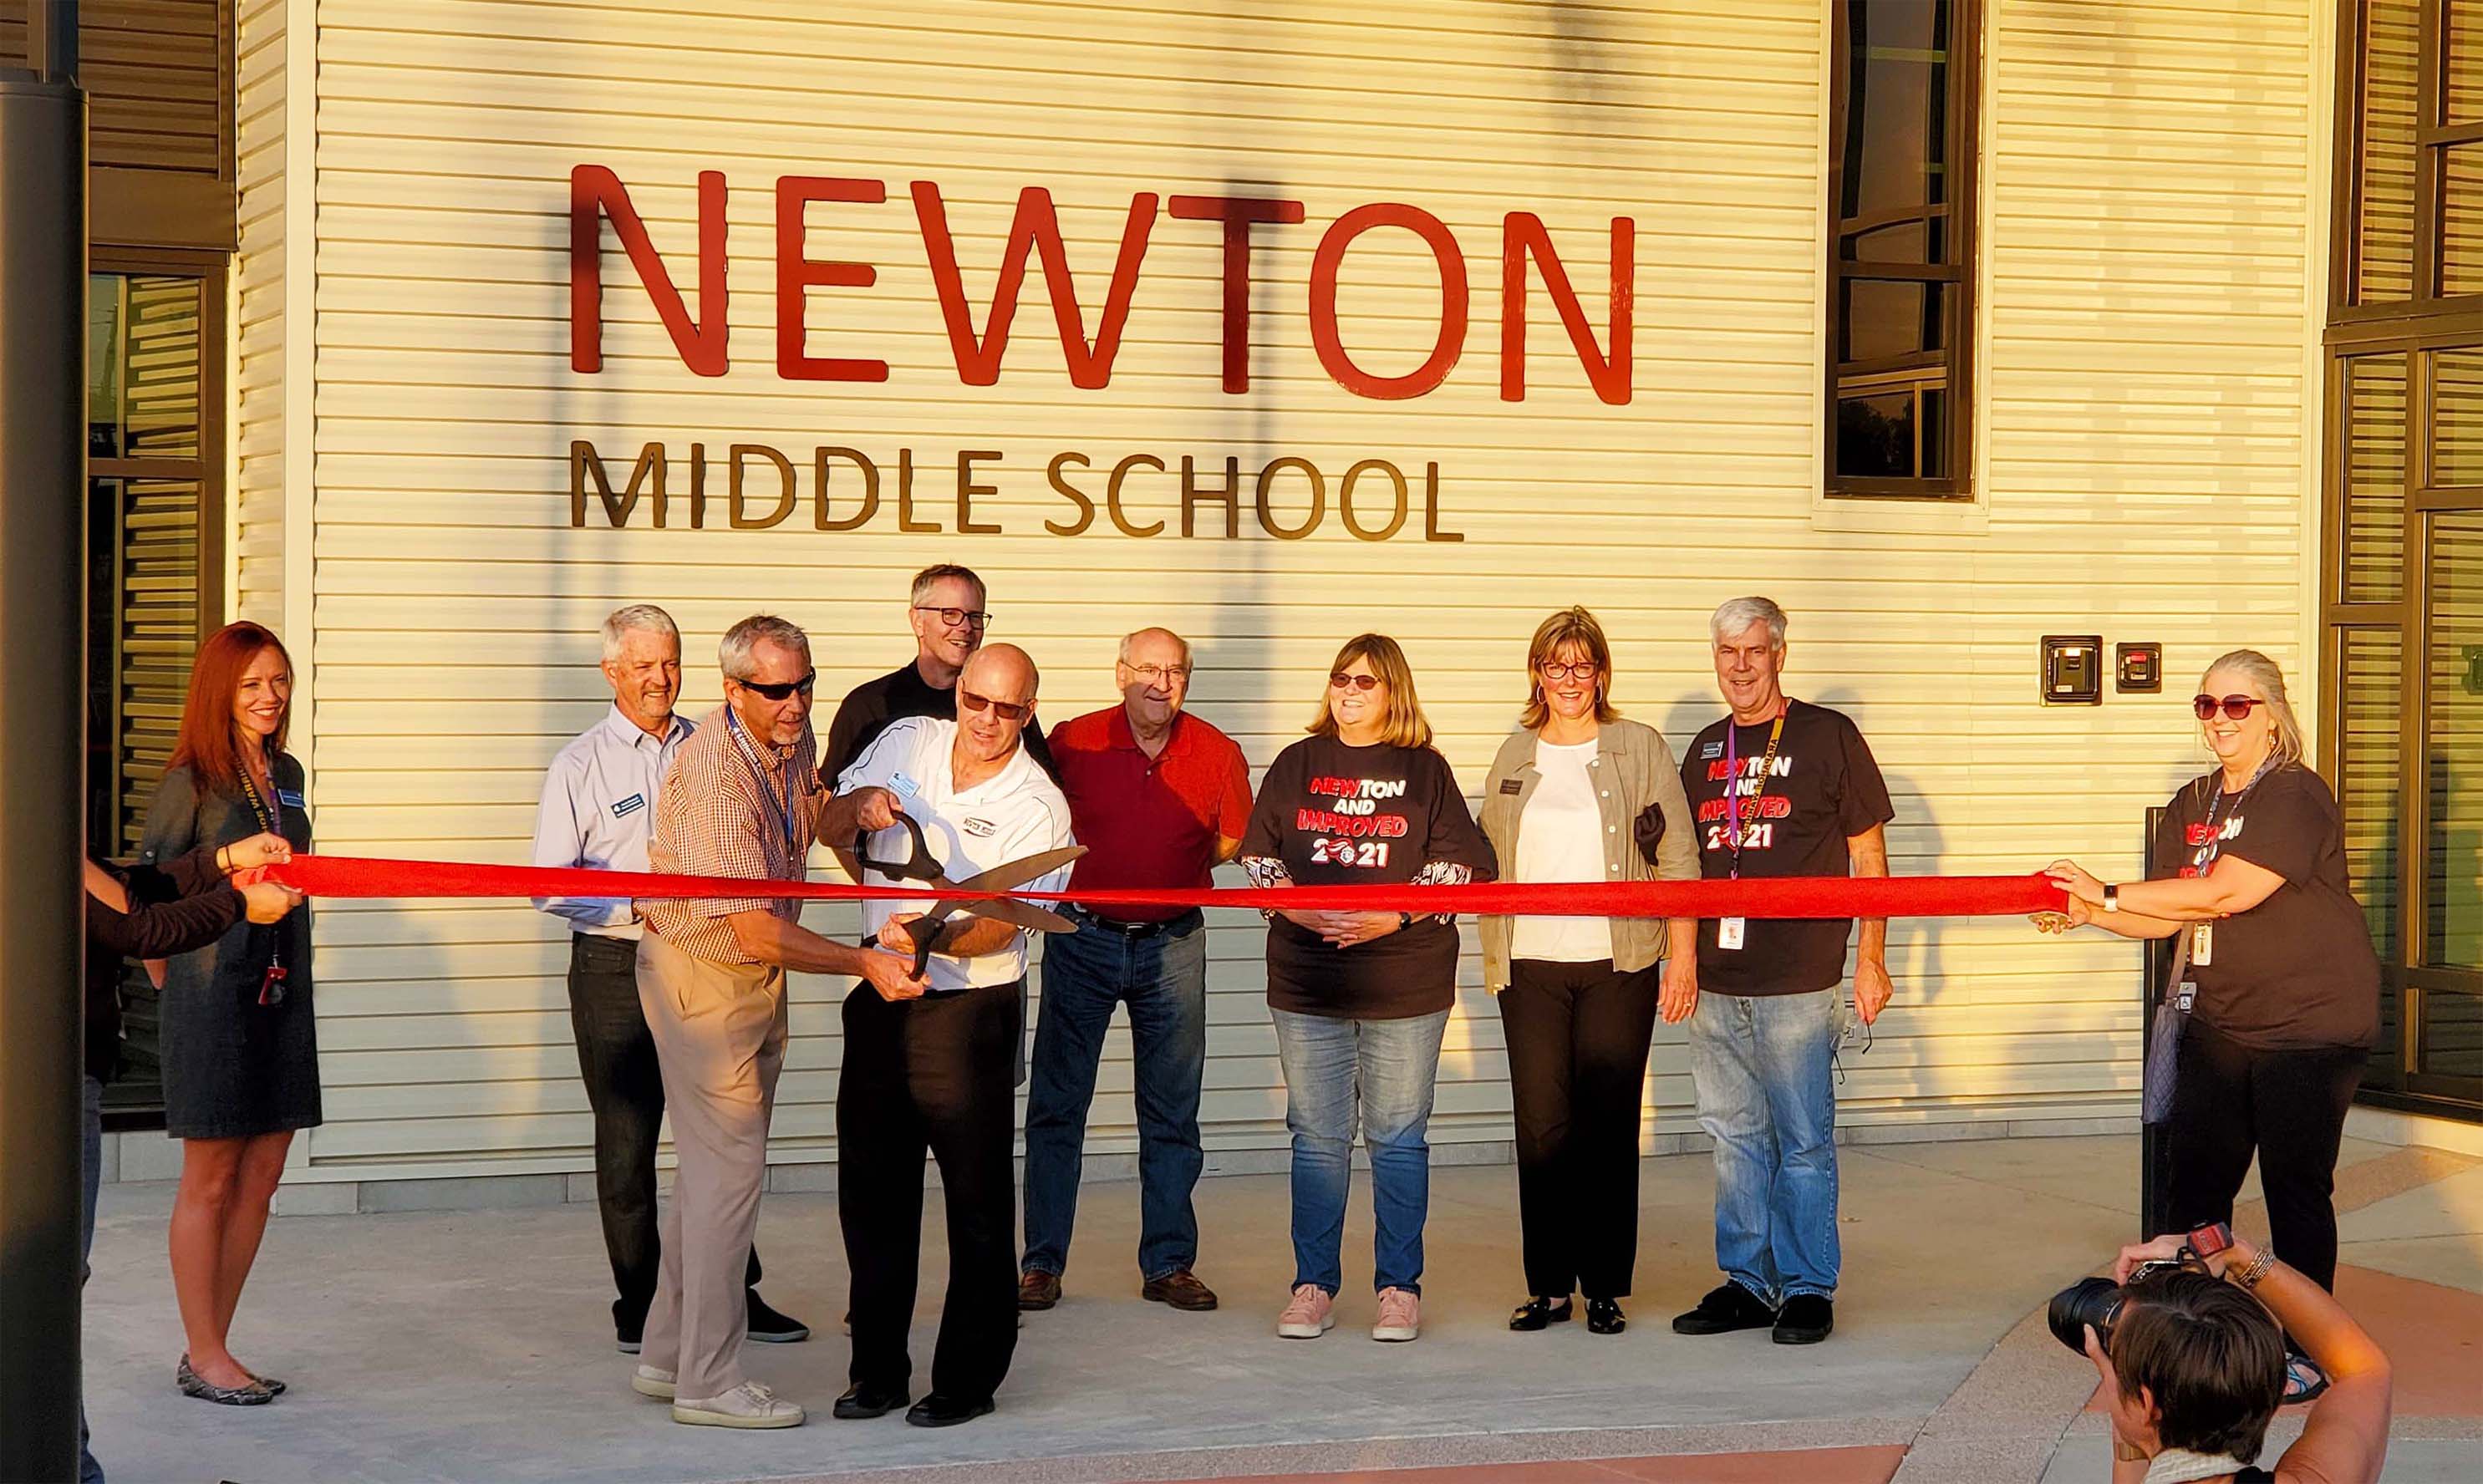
x=1401 y=1315
x=747 y=1404
x=1310 y=1314
x=652 y=1381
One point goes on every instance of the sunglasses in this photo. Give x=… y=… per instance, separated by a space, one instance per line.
x=783 y=690
x=1009 y=710
x=1339 y=680
x=2235 y=707
x=959 y=617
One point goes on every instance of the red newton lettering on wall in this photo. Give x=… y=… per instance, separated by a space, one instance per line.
x=597 y=196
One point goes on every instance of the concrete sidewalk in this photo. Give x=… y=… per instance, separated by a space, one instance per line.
x=474 y=1346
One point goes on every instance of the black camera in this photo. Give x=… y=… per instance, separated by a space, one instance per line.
x=2097 y=1301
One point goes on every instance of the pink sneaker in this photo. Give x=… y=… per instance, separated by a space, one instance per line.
x=1310 y=1314
x=1401 y=1315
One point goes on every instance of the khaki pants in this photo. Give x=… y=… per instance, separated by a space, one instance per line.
x=719 y=1031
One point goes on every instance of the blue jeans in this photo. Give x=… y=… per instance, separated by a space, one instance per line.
x=1380 y=1073
x=90 y=1166
x=1762 y=1066
x=1163 y=978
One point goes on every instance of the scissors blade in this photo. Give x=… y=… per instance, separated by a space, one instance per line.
x=1017 y=873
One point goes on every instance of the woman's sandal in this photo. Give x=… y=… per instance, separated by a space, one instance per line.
x=2304 y=1380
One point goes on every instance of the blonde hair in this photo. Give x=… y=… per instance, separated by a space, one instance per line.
x=2262 y=671
x=1569 y=627
x=1404 y=725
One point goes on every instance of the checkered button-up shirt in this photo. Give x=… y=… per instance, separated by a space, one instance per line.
x=718 y=814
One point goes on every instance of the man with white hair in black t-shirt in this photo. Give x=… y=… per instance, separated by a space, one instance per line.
x=1780 y=787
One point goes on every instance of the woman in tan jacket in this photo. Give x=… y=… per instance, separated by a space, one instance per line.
x=1578 y=794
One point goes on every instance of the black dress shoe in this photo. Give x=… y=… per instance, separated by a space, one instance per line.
x=1604 y=1316
x=1538 y=1312
x=862 y=1401
x=1728 y=1308
x=770 y=1328
x=1806 y=1320
x=938 y=1410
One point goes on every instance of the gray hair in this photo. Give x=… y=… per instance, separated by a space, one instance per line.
x=2262 y=671
x=1737 y=614
x=1133 y=636
x=642 y=617
x=734 y=653
x=932 y=576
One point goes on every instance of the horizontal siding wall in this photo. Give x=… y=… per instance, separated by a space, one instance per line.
x=2147 y=168
x=260 y=277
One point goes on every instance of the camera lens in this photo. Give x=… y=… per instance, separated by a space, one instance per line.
x=2088 y=1301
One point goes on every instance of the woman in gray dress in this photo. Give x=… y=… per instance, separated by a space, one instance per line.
x=240 y=1044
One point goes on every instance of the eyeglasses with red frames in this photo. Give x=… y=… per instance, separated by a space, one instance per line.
x=2235 y=707
x=1582 y=670
x=1009 y=710
x=1339 y=680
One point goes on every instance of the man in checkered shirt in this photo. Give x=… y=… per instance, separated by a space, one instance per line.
x=742 y=798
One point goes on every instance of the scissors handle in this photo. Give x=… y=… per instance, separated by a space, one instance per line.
x=930 y=935
x=920 y=867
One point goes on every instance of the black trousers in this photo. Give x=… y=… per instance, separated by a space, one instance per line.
x=616 y=1059
x=1578 y=1036
x=931 y=1075
x=2289 y=1107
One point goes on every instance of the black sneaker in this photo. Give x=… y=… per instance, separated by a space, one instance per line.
x=1804 y=1320
x=627 y=1333
x=770 y=1328
x=1729 y=1307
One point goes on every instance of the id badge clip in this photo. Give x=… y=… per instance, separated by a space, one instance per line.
x=2184 y=995
x=1728 y=933
x=2202 y=944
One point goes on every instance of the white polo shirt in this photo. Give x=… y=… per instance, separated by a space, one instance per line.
x=1018 y=811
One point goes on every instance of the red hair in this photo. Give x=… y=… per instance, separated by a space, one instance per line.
x=207 y=745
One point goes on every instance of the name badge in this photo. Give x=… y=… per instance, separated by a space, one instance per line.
x=1728 y=933
x=1711 y=750
x=2185 y=995
x=1511 y=785
x=630 y=806
x=904 y=787
x=2202 y=944
x=289 y=796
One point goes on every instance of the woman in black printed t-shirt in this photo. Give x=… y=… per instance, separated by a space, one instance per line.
x=1361 y=999
x=2286 y=989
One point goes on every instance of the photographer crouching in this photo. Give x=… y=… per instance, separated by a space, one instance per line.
x=2189 y=1337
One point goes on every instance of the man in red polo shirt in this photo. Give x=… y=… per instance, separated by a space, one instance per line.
x=1158 y=798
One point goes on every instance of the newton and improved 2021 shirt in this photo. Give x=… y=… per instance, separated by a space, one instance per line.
x=1821 y=789
x=1016 y=813
x=1333 y=816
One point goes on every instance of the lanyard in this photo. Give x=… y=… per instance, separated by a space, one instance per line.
x=1733 y=780
x=268 y=812
x=783 y=800
x=2213 y=845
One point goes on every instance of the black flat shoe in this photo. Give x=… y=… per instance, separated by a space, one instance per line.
x=1604 y=1316
x=942 y=1410
x=861 y=1401
x=770 y=1328
x=1807 y=1320
x=192 y=1384
x=1538 y=1312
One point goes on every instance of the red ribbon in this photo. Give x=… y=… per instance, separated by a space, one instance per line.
x=1766 y=897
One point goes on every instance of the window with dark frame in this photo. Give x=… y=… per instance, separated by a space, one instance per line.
x=1901 y=250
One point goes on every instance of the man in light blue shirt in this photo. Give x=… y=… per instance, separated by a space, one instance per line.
x=597 y=811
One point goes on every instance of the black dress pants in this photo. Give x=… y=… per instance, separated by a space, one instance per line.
x=616 y=1059
x=2289 y=1107
x=934 y=1075
x=1578 y=1036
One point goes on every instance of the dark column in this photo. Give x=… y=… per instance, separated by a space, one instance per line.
x=42 y=671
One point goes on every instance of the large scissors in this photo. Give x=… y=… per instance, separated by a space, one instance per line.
x=935 y=929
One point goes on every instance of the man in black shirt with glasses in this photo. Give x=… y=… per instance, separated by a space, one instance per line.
x=949 y=616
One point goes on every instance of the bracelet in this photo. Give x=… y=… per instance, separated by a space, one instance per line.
x=2250 y=1276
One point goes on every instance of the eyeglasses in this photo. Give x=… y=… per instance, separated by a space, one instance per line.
x=1160 y=674
x=780 y=690
x=959 y=617
x=2235 y=707
x=1339 y=680
x=1583 y=670
x=1009 y=710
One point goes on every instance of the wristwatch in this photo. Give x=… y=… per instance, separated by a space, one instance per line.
x=2210 y=1238
x=2112 y=898
x=1404 y=919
